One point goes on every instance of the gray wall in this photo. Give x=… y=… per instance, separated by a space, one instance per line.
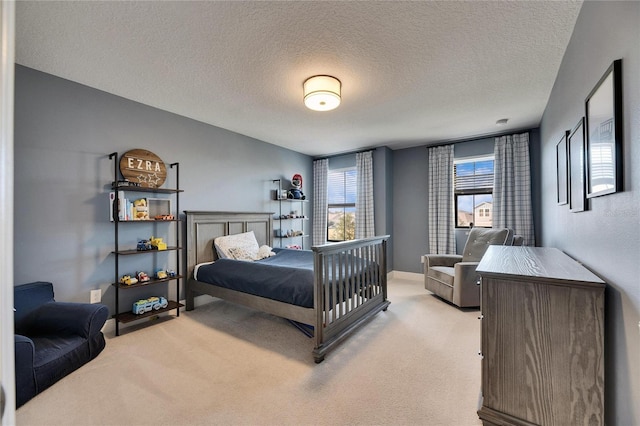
x=606 y=238
x=410 y=194
x=63 y=134
x=383 y=197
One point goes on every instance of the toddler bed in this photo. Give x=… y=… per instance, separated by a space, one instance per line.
x=335 y=288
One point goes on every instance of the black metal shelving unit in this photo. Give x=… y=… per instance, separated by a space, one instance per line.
x=301 y=221
x=128 y=316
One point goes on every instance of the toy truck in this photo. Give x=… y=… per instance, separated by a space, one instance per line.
x=157 y=243
x=147 y=305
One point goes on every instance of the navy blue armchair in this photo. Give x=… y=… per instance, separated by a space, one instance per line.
x=52 y=339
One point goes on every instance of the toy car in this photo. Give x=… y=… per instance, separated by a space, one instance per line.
x=171 y=273
x=128 y=280
x=161 y=274
x=146 y=305
x=142 y=277
x=144 y=245
x=164 y=217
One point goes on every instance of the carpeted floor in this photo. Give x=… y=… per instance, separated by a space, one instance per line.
x=221 y=364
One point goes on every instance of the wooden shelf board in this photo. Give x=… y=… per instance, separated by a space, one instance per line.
x=145 y=189
x=150 y=282
x=134 y=251
x=125 y=317
x=149 y=221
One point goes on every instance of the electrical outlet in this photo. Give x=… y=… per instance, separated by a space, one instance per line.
x=96 y=296
x=421 y=259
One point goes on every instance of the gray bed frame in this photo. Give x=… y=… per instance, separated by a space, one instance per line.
x=335 y=314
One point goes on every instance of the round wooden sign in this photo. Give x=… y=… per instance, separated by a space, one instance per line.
x=143 y=167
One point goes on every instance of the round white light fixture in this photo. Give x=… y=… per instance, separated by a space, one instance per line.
x=322 y=92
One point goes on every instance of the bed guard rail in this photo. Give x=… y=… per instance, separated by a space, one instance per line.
x=350 y=284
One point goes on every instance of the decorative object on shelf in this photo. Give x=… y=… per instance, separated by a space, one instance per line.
x=157 y=243
x=143 y=167
x=604 y=134
x=117 y=202
x=128 y=280
x=294 y=247
x=142 y=277
x=161 y=274
x=562 y=164
x=146 y=305
x=124 y=184
x=171 y=273
x=159 y=207
x=577 y=200
x=164 y=217
x=322 y=92
x=296 y=188
x=140 y=209
x=144 y=245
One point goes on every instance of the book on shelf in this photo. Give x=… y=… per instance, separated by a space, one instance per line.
x=121 y=205
x=138 y=209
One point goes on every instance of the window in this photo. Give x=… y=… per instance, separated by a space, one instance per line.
x=341 y=214
x=473 y=191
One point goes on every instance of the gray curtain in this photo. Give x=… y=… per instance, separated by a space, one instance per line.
x=320 y=171
x=441 y=210
x=365 y=226
x=512 y=186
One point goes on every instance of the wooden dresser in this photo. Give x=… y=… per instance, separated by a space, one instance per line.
x=542 y=339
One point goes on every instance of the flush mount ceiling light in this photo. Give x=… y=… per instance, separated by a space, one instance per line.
x=502 y=122
x=322 y=92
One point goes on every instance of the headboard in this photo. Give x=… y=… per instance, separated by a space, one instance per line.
x=204 y=226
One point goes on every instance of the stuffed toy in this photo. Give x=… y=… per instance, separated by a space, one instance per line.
x=295 y=192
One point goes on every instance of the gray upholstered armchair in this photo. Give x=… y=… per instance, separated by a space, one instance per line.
x=453 y=277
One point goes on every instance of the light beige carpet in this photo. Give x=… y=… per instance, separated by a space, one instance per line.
x=221 y=364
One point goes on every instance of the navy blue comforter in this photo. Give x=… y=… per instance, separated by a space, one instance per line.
x=286 y=277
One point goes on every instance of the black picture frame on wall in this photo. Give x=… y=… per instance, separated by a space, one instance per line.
x=576 y=143
x=603 y=125
x=562 y=171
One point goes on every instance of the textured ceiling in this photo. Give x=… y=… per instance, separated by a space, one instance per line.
x=412 y=72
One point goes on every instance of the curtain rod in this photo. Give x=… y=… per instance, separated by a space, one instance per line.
x=344 y=153
x=442 y=143
x=475 y=138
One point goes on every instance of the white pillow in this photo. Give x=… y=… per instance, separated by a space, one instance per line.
x=243 y=253
x=245 y=240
